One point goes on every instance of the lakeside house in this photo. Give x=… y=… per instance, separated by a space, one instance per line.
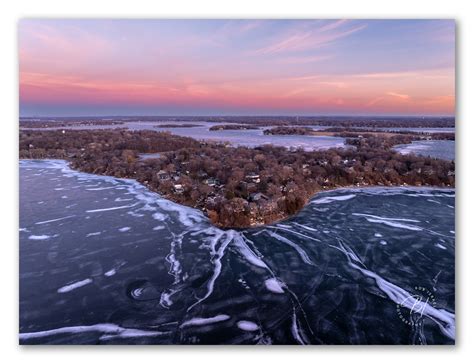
x=163 y=175
x=253 y=177
x=202 y=174
x=258 y=196
x=178 y=189
x=212 y=182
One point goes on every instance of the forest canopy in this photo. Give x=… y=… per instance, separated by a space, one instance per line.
x=236 y=186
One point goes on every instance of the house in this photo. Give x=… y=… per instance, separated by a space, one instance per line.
x=202 y=174
x=255 y=197
x=253 y=177
x=163 y=175
x=212 y=182
x=178 y=189
x=211 y=200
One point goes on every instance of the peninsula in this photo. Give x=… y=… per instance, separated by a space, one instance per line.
x=236 y=186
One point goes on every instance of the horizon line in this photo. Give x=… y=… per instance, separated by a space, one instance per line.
x=245 y=116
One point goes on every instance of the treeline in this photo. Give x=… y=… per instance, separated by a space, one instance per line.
x=435 y=135
x=289 y=130
x=388 y=140
x=236 y=187
x=342 y=121
x=264 y=121
x=77 y=143
x=65 y=123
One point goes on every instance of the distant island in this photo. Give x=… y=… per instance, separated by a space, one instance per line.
x=356 y=136
x=232 y=127
x=238 y=187
x=65 y=123
x=335 y=121
x=287 y=130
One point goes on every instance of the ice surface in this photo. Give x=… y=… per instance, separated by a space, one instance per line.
x=111 y=330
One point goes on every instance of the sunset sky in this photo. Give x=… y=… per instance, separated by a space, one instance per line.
x=236 y=67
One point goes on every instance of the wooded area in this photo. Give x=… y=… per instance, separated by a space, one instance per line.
x=236 y=186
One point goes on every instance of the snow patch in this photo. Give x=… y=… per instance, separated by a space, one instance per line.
x=39 y=237
x=159 y=216
x=200 y=321
x=110 y=331
x=393 y=222
x=110 y=273
x=273 y=285
x=247 y=325
x=330 y=199
x=54 y=220
x=112 y=208
x=75 y=285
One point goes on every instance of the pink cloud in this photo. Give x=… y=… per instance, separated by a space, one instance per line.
x=398 y=95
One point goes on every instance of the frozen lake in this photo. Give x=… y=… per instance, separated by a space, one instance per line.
x=105 y=261
x=249 y=138
x=441 y=149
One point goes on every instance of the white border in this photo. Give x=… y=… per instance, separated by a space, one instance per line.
x=11 y=11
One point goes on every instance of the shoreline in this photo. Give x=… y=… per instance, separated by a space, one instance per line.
x=168 y=197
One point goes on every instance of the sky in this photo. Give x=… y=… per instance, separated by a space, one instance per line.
x=97 y=67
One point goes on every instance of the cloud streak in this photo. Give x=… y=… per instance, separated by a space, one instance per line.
x=310 y=39
x=398 y=95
